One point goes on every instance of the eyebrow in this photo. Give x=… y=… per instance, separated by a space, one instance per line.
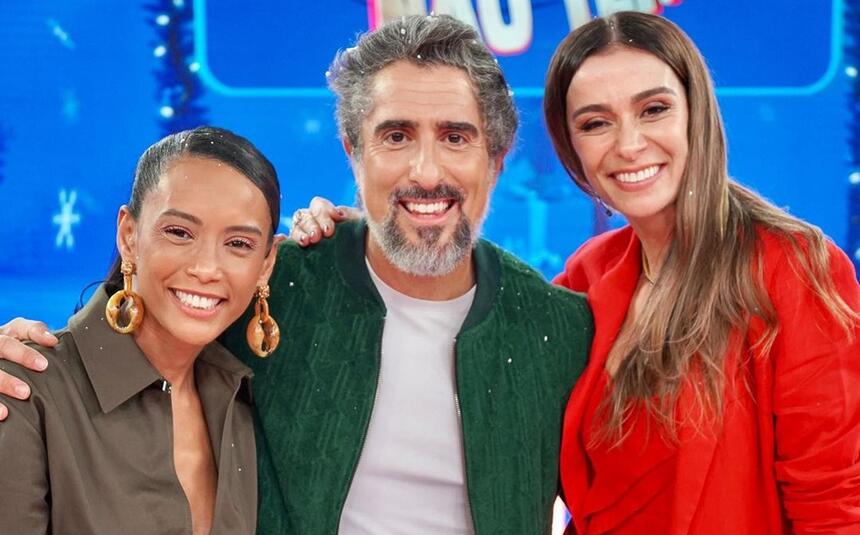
x=250 y=229
x=393 y=124
x=642 y=95
x=182 y=215
x=458 y=126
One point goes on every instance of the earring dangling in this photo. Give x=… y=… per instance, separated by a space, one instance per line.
x=263 y=333
x=114 y=308
x=606 y=209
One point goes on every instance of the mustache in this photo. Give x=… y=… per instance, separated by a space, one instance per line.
x=441 y=191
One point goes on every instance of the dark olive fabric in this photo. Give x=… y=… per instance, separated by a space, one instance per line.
x=92 y=452
x=522 y=346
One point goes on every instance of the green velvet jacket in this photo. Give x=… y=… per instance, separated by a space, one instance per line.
x=521 y=347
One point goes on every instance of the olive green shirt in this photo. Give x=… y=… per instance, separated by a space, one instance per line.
x=92 y=451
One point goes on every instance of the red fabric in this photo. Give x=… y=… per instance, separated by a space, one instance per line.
x=629 y=488
x=787 y=457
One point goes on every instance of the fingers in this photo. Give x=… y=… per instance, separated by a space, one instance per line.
x=29 y=330
x=14 y=350
x=345 y=213
x=321 y=210
x=304 y=228
x=38 y=332
x=317 y=221
x=311 y=224
x=13 y=387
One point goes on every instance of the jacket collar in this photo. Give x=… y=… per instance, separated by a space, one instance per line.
x=118 y=369
x=352 y=247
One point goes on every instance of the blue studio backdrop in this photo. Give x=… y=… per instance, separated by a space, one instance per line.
x=87 y=86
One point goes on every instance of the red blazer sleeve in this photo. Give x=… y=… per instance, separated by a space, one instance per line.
x=816 y=399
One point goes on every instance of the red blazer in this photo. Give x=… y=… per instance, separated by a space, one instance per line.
x=787 y=457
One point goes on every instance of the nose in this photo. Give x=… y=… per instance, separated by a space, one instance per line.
x=204 y=264
x=630 y=141
x=425 y=168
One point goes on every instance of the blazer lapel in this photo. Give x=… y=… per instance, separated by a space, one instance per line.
x=698 y=443
x=609 y=298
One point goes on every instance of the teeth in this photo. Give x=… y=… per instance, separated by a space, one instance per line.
x=638 y=176
x=196 y=301
x=427 y=208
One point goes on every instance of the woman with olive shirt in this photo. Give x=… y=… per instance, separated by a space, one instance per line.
x=151 y=431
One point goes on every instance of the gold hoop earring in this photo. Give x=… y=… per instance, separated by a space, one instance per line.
x=263 y=333
x=114 y=308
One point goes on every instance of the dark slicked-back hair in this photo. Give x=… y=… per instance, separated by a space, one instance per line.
x=207 y=142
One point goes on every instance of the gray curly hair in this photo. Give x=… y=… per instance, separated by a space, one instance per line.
x=424 y=41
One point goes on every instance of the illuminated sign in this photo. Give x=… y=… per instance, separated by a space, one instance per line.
x=764 y=47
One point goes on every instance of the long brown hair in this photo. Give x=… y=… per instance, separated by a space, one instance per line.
x=711 y=284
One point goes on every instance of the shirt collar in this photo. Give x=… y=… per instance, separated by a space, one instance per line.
x=115 y=365
x=216 y=356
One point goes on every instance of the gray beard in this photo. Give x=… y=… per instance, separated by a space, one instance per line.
x=428 y=257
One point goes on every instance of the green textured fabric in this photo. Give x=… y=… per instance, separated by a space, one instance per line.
x=522 y=346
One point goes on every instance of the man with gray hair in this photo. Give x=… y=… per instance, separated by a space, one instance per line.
x=422 y=378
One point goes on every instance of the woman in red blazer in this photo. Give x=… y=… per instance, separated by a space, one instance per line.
x=723 y=392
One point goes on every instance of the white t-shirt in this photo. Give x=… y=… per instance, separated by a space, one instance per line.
x=411 y=473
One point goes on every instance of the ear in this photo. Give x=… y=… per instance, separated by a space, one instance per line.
x=356 y=169
x=498 y=165
x=269 y=261
x=347 y=146
x=126 y=233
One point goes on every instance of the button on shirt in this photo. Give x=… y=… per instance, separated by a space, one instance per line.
x=92 y=451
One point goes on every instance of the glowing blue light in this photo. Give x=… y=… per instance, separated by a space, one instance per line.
x=854 y=177
x=179 y=3
x=166 y=112
x=162 y=20
x=851 y=71
x=312 y=126
x=857 y=254
x=159 y=51
x=194 y=66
